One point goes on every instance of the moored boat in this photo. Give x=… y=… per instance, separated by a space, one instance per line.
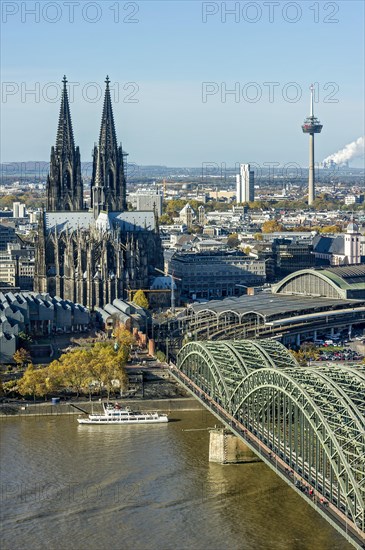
x=116 y=414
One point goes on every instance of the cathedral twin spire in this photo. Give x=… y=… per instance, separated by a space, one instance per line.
x=108 y=185
x=64 y=183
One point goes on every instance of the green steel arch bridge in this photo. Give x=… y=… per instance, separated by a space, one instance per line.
x=306 y=423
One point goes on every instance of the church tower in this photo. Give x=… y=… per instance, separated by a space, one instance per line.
x=352 y=245
x=108 y=184
x=64 y=182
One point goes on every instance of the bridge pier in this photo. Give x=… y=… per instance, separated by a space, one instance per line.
x=227 y=448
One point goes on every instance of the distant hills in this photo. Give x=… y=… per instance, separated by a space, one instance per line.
x=216 y=173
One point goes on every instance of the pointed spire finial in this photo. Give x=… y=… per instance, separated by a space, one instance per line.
x=107 y=139
x=64 y=138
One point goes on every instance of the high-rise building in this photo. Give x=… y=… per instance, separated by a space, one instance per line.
x=94 y=256
x=145 y=200
x=245 y=184
x=18 y=210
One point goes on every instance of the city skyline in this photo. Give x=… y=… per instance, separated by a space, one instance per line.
x=173 y=80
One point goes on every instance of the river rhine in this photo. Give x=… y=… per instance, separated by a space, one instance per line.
x=71 y=487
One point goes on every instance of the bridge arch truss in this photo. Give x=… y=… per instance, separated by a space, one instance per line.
x=312 y=418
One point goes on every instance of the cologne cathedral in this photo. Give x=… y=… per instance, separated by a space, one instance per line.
x=92 y=255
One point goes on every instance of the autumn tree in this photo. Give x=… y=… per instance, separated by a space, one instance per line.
x=123 y=336
x=71 y=371
x=140 y=299
x=107 y=366
x=54 y=377
x=21 y=357
x=331 y=229
x=80 y=369
x=307 y=352
x=33 y=382
x=271 y=226
x=10 y=387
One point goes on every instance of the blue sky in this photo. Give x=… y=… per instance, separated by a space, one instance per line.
x=166 y=54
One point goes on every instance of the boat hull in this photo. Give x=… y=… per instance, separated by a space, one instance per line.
x=115 y=414
x=114 y=421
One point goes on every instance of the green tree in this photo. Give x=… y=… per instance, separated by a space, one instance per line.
x=160 y=356
x=6 y=201
x=140 y=299
x=173 y=207
x=233 y=240
x=261 y=205
x=196 y=230
x=165 y=219
x=25 y=340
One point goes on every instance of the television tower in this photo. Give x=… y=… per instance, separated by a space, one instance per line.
x=311 y=126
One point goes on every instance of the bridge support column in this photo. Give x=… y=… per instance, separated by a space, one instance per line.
x=227 y=448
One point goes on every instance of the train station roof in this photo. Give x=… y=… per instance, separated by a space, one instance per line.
x=271 y=306
x=347 y=282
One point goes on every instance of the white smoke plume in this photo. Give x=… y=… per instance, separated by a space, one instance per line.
x=352 y=150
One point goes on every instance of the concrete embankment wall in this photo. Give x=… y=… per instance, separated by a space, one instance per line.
x=8 y=410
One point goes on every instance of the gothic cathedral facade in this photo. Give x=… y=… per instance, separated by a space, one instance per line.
x=92 y=255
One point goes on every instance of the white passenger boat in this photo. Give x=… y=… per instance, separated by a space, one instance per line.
x=115 y=414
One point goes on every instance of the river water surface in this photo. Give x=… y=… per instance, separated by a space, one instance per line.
x=71 y=487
